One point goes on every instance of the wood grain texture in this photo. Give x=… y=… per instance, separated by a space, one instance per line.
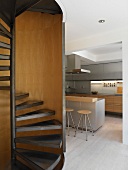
x=81 y=99
x=39 y=64
x=4 y=110
x=39 y=58
x=4 y=128
x=112 y=103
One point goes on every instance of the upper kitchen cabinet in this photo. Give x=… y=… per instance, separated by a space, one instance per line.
x=104 y=71
x=83 y=76
x=112 y=71
x=96 y=71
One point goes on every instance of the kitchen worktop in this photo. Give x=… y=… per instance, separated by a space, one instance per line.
x=81 y=99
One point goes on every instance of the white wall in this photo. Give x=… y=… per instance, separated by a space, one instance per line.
x=125 y=89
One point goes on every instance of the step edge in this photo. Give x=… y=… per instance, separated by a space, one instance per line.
x=21 y=106
x=38 y=128
x=22 y=96
x=34 y=116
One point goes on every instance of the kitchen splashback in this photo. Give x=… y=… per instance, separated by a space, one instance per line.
x=111 y=87
x=78 y=86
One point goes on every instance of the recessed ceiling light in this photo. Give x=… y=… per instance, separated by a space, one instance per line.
x=101 y=21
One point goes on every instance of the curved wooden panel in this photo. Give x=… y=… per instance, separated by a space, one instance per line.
x=39 y=58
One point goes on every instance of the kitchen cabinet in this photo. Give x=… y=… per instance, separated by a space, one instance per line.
x=96 y=71
x=109 y=104
x=117 y=102
x=105 y=71
x=112 y=71
x=112 y=103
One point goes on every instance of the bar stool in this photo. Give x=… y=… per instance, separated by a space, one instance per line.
x=69 y=113
x=84 y=114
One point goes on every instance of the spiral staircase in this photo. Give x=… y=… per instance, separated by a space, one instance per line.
x=35 y=142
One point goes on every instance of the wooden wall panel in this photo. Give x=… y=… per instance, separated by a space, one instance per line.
x=39 y=58
x=4 y=112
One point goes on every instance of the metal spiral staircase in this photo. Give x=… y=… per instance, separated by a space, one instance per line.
x=31 y=148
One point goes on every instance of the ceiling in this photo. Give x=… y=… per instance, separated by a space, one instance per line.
x=82 y=22
x=102 y=54
x=109 y=48
x=83 y=16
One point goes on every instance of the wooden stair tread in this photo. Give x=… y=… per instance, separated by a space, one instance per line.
x=5 y=45
x=4 y=57
x=45 y=125
x=35 y=114
x=53 y=141
x=39 y=160
x=3 y=34
x=21 y=96
x=4 y=78
x=5 y=31
x=28 y=104
x=4 y=68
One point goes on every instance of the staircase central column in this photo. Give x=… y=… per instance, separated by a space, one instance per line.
x=12 y=91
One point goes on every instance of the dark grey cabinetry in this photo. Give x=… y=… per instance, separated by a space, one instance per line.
x=96 y=71
x=83 y=76
x=77 y=77
x=112 y=71
x=105 y=71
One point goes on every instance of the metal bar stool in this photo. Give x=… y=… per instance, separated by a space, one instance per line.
x=69 y=114
x=84 y=114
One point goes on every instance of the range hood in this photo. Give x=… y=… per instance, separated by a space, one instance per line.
x=74 y=65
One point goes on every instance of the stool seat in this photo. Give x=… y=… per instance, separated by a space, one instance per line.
x=69 y=110
x=85 y=112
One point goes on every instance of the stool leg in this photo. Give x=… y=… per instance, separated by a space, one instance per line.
x=82 y=122
x=78 y=125
x=90 y=125
x=68 y=122
x=72 y=120
x=86 y=127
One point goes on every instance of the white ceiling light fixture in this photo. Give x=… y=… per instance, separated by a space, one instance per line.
x=101 y=21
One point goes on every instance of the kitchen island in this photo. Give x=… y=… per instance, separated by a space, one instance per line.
x=95 y=105
x=113 y=102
